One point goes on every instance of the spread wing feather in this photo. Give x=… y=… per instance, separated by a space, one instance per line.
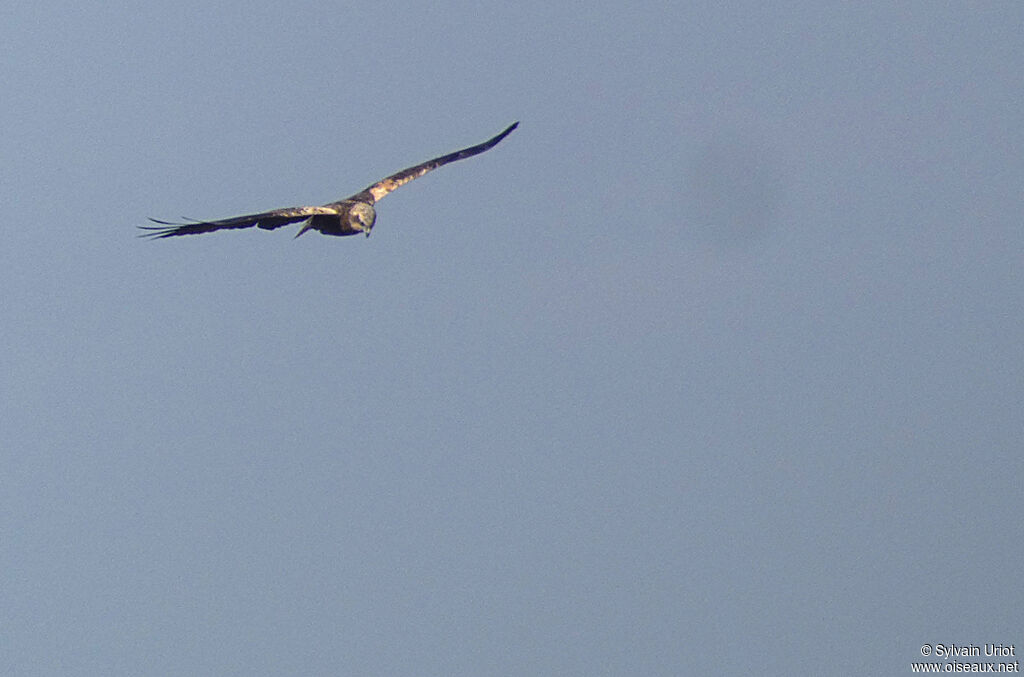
x=385 y=186
x=266 y=220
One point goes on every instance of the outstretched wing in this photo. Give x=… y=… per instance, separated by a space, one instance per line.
x=267 y=220
x=385 y=186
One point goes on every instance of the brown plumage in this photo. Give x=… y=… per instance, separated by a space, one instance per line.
x=350 y=216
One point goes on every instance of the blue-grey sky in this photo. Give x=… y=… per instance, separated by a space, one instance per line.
x=714 y=366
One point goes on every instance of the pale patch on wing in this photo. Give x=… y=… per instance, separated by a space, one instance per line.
x=303 y=211
x=382 y=188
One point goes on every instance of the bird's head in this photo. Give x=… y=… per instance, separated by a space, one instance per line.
x=361 y=217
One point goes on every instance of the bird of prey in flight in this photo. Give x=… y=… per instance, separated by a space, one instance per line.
x=349 y=216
